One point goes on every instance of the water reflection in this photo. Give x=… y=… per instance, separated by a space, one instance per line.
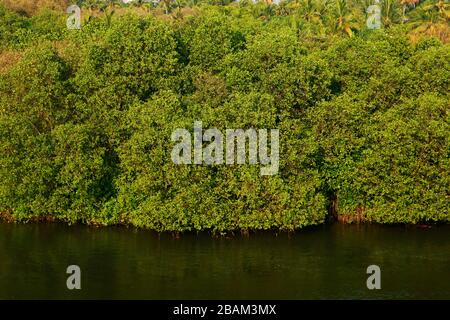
x=319 y=263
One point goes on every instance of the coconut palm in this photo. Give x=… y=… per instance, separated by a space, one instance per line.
x=309 y=16
x=108 y=7
x=313 y=10
x=344 y=20
x=431 y=18
x=432 y=12
x=390 y=12
x=405 y=5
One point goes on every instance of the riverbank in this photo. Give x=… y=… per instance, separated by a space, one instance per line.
x=347 y=219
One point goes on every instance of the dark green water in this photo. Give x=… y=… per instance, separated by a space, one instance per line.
x=321 y=263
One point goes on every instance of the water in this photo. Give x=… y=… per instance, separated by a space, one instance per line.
x=327 y=262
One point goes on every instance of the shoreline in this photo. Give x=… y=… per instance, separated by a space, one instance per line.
x=344 y=219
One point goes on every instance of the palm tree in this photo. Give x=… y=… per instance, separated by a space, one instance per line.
x=433 y=12
x=344 y=19
x=405 y=5
x=309 y=16
x=432 y=18
x=390 y=12
x=108 y=8
x=283 y=9
x=313 y=10
x=167 y=6
x=90 y=5
x=443 y=8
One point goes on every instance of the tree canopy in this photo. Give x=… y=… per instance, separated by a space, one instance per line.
x=86 y=115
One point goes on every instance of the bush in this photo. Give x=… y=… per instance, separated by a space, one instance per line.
x=86 y=118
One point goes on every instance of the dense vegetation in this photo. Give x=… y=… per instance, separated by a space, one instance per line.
x=86 y=115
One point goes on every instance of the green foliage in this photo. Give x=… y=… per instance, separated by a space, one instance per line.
x=12 y=27
x=86 y=118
